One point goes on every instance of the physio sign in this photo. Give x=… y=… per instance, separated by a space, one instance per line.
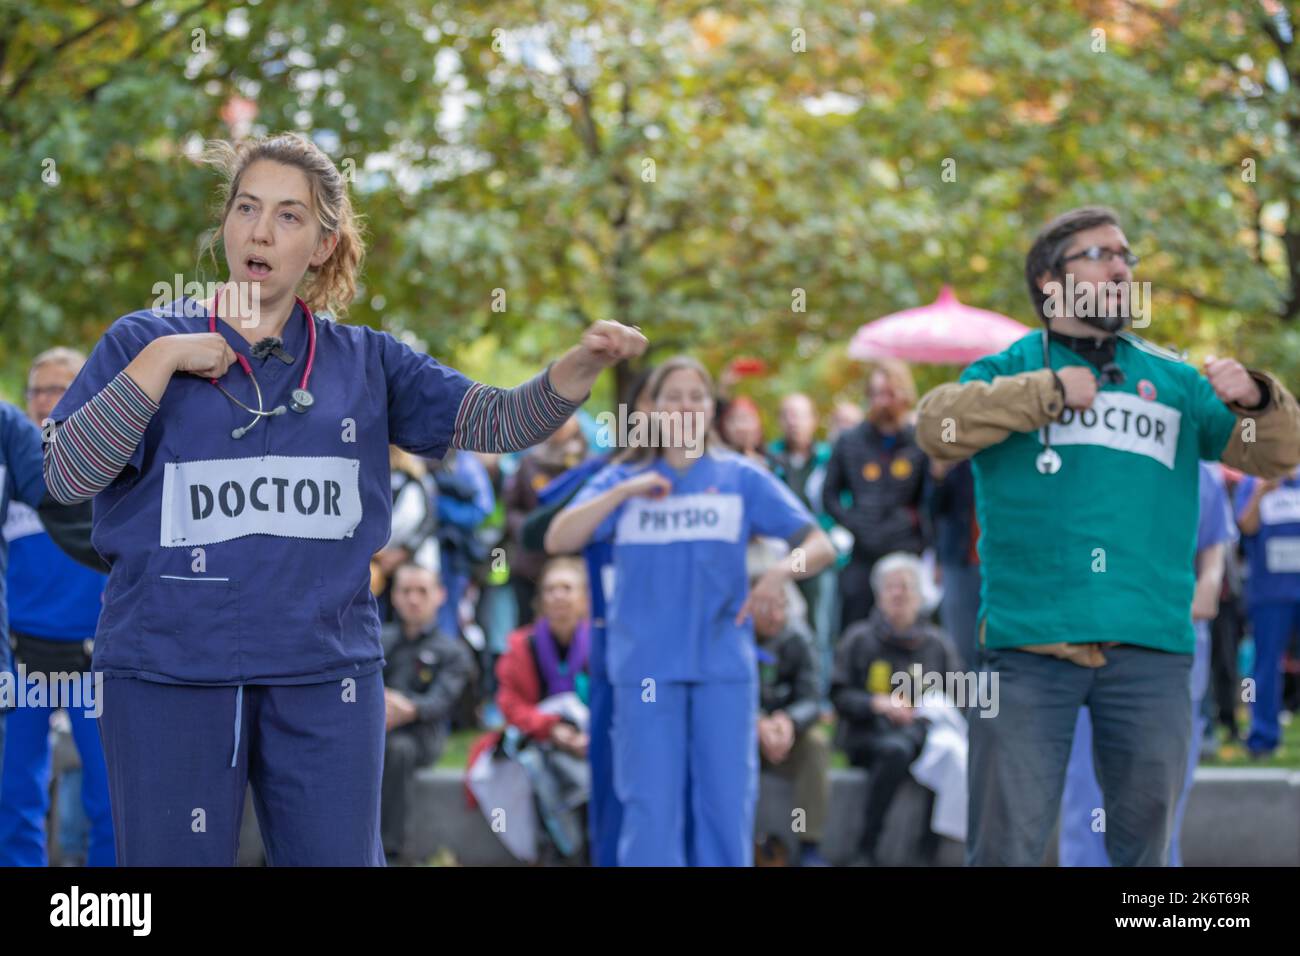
x=206 y=502
x=699 y=517
x=1124 y=422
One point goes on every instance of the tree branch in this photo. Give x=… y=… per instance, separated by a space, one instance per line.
x=52 y=54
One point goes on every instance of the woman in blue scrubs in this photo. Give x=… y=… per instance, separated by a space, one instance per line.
x=680 y=652
x=239 y=640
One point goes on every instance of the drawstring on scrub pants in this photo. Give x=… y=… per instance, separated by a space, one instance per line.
x=239 y=711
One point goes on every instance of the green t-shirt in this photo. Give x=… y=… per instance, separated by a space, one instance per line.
x=1103 y=549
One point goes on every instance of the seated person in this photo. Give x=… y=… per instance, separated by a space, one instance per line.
x=425 y=674
x=879 y=729
x=540 y=759
x=790 y=743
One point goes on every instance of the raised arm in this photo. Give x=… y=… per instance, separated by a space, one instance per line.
x=500 y=420
x=573 y=527
x=86 y=453
x=956 y=420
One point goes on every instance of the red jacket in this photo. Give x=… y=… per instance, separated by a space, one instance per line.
x=519 y=691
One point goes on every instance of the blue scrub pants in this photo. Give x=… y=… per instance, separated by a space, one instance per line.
x=1272 y=625
x=686 y=772
x=604 y=812
x=25 y=793
x=180 y=758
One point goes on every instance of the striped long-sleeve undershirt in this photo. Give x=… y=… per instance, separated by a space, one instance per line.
x=94 y=444
x=90 y=449
x=500 y=420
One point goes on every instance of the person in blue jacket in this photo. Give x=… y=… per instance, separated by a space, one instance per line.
x=239 y=508
x=54 y=604
x=20 y=481
x=1268 y=514
x=681 y=654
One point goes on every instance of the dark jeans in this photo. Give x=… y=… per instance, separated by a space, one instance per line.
x=886 y=756
x=404 y=754
x=856 y=596
x=1225 y=636
x=1141 y=723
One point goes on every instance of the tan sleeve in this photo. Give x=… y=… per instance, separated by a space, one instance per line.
x=1275 y=449
x=956 y=420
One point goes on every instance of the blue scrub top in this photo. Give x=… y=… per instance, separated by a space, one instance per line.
x=51 y=596
x=22 y=479
x=679 y=567
x=248 y=560
x=1273 y=552
x=1215 y=525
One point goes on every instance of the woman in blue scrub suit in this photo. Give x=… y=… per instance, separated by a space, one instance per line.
x=680 y=653
x=239 y=640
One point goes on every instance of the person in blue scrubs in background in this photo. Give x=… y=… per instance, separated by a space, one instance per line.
x=604 y=811
x=1268 y=513
x=20 y=481
x=681 y=655
x=239 y=640
x=54 y=605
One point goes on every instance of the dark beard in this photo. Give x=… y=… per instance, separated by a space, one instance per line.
x=884 y=418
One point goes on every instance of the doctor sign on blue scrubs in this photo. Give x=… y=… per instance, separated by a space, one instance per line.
x=237 y=453
x=681 y=656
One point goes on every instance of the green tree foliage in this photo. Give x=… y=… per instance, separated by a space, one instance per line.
x=732 y=177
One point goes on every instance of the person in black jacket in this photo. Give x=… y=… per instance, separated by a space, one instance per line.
x=789 y=741
x=424 y=676
x=875 y=484
x=878 y=728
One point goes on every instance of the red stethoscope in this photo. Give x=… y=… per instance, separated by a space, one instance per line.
x=301 y=399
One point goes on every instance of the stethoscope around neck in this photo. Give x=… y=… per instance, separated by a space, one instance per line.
x=301 y=399
x=1048 y=461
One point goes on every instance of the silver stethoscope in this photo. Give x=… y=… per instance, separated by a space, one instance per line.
x=301 y=399
x=1049 y=460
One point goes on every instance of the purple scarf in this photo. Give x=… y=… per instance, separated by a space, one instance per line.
x=558 y=676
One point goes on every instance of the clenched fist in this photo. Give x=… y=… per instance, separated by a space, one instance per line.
x=205 y=354
x=1231 y=382
x=1080 y=385
x=608 y=343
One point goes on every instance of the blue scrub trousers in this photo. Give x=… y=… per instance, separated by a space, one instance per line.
x=604 y=812
x=25 y=792
x=1272 y=625
x=686 y=772
x=180 y=758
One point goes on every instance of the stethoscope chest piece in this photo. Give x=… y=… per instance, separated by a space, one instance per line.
x=301 y=400
x=1048 y=462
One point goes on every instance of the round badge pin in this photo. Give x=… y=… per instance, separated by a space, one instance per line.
x=1146 y=390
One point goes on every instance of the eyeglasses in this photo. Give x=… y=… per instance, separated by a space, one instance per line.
x=1103 y=254
x=53 y=391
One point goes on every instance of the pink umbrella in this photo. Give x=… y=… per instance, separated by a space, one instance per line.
x=942 y=333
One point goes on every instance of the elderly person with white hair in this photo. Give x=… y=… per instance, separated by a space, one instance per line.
x=871 y=688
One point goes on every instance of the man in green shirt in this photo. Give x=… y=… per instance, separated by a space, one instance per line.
x=1084 y=442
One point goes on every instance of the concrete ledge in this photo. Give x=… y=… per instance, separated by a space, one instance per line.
x=1235 y=817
